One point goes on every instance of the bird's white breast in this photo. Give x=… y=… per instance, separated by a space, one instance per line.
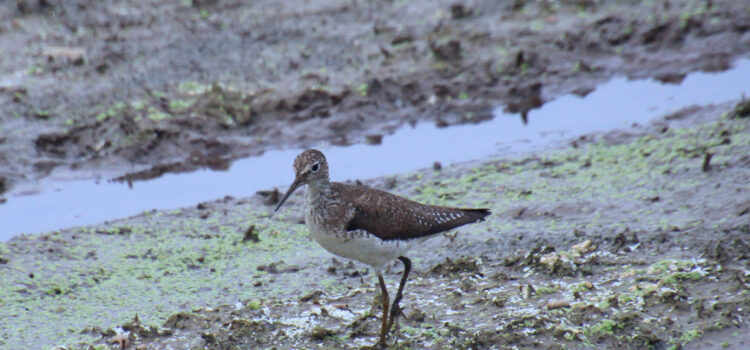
x=357 y=245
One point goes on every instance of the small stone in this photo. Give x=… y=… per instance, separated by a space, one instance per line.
x=550 y=260
x=557 y=304
x=583 y=247
x=71 y=54
x=121 y=340
x=341 y=306
x=374 y=139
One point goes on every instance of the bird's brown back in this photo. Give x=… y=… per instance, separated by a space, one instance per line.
x=392 y=217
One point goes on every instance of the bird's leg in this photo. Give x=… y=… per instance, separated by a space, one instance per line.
x=395 y=310
x=386 y=301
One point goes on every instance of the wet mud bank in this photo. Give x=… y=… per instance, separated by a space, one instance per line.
x=101 y=89
x=626 y=239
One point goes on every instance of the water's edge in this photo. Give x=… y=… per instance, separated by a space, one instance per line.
x=616 y=104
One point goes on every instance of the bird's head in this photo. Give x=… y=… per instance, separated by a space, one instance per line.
x=310 y=168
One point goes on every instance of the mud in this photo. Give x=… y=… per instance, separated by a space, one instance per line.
x=620 y=240
x=626 y=239
x=131 y=90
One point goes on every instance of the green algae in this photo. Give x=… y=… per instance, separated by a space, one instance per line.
x=605 y=327
x=152 y=270
x=690 y=336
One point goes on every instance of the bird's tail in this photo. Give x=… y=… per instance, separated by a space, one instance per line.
x=477 y=214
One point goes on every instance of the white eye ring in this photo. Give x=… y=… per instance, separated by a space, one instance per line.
x=315 y=167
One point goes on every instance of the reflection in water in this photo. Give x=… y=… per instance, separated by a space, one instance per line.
x=616 y=104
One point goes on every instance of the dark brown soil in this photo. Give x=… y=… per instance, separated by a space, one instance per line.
x=116 y=87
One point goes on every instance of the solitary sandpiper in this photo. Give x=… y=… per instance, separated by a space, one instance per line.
x=368 y=225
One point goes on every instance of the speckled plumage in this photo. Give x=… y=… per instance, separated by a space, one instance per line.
x=368 y=225
x=372 y=226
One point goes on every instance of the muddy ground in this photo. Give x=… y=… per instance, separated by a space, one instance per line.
x=627 y=239
x=92 y=88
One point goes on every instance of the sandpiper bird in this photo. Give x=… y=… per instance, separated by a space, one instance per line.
x=368 y=225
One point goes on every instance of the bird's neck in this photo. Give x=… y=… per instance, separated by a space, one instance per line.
x=316 y=188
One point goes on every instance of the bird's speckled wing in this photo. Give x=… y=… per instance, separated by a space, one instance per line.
x=392 y=217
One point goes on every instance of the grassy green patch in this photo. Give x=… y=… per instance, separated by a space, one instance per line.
x=363 y=89
x=178 y=104
x=111 y=112
x=605 y=327
x=191 y=87
x=690 y=336
x=156 y=115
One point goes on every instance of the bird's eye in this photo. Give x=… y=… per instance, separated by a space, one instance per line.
x=315 y=167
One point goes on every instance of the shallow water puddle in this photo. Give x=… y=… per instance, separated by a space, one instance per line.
x=616 y=104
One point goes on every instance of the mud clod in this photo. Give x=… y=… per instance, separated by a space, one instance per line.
x=374 y=139
x=359 y=327
x=459 y=11
x=270 y=197
x=484 y=340
x=707 y=162
x=183 y=320
x=742 y=109
x=621 y=240
x=454 y=267
x=209 y=338
x=313 y=297
x=242 y=334
x=449 y=51
x=402 y=38
x=417 y=315
x=251 y=235
x=143 y=331
x=671 y=78
x=278 y=267
x=320 y=333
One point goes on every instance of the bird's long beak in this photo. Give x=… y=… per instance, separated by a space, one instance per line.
x=297 y=183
